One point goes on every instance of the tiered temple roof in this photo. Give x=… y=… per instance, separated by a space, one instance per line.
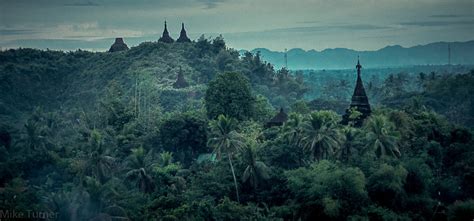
x=118 y=45
x=183 y=36
x=166 y=38
x=278 y=119
x=360 y=102
x=180 y=81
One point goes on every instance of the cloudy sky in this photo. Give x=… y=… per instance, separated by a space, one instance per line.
x=244 y=24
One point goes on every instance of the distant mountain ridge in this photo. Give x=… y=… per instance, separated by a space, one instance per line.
x=390 y=56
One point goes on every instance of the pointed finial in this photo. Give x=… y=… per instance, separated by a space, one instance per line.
x=358 y=66
x=182 y=25
x=281 y=109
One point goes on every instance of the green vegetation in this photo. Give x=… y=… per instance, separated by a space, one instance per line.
x=106 y=136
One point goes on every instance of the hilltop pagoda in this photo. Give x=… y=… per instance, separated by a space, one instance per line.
x=359 y=102
x=182 y=36
x=180 y=81
x=165 y=38
x=278 y=119
x=118 y=45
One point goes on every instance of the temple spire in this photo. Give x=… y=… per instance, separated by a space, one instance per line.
x=358 y=66
x=118 y=45
x=359 y=101
x=180 y=81
x=183 y=36
x=278 y=119
x=166 y=35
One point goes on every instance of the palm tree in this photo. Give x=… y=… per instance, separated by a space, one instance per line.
x=36 y=136
x=99 y=163
x=138 y=164
x=350 y=135
x=293 y=133
x=381 y=136
x=256 y=171
x=293 y=129
x=321 y=136
x=225 y=140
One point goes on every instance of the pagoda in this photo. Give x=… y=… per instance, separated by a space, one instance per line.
x=278 y=119
x=182 y=36
x=165 y=38
x=118 y=45
x=359 y=102
x=180 y=81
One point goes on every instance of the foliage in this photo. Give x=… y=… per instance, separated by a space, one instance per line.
x=461 y=210
x=382 y=137
x=321 y=136
x=230 y=94
x=328 y=189
x=105 y=136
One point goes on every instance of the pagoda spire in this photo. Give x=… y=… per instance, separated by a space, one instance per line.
x=166 y=38
x=359 y=101
x=358 y=67
x=118 y=45
x=180 y=81
x=183 y=36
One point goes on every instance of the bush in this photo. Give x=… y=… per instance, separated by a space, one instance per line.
x=460 y=211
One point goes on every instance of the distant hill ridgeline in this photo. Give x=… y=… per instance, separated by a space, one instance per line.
x=390 y=56
x=145 y=75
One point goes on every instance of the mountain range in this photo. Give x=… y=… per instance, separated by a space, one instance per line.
x=390 y=56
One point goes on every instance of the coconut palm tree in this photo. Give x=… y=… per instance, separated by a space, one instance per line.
x=381 y=136
x=138 y=164
x=350 y=138
x=98 y=162
x=293 y=129
x=293 y=133
x=321 y=136
x=225 y=140
x=256 y=171
x=35 y=137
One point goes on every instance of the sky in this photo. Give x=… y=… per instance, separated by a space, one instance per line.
x=244 y=24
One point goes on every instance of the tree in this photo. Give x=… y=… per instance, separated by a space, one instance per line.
x=461 y=210
x=99 y=163
x=185 y=135
x=225 y=140
x=300 y=107
x=385 y=186
x=326 y=190
x=350 y=140
x=381 y=136
x=116 y=112
x=293 y=134
x=256 y=171
x=321 y=136
x=139 y=162
x=229 y=94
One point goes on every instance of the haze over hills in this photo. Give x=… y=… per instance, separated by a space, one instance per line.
x=390 y=56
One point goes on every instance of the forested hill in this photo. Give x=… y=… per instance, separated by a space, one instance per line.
x=390 y=56
x=55 y=80
x=109 y=136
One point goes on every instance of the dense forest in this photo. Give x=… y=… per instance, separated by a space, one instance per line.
x=115 y=136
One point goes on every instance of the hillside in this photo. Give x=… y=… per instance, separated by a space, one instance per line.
x=109 y=136
x=56 y=80
x=390 y=56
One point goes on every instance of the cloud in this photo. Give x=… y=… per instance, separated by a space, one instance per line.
x=447 y=16
x=210 y=4
x=18 y=32
x=438 y=23
x=347 y=27
x=82 y=4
